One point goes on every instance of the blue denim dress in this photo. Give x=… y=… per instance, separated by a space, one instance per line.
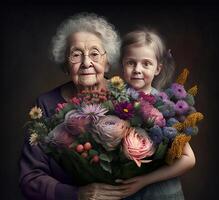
x=170 y=189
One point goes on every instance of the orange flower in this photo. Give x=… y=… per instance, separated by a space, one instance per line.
x=176 y=149
x=192 y=119
x=182 y=77
x=193 y=91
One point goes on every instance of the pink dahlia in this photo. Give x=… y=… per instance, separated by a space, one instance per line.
x=150 y=112
x=60 y=136
x=137 y=146
x=75 y=125
x=109 y=131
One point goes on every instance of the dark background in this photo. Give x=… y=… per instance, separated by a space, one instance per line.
x=191 y=32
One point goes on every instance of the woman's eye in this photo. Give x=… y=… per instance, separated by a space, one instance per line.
x=76 y=54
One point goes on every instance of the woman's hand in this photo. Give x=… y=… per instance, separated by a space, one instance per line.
x=100 y=191
x=133 y=185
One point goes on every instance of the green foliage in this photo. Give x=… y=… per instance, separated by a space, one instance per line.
x=161 y=149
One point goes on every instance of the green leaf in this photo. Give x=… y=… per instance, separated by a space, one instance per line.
x=106 y=166
x=108 y=105
x=136 y=121
x=104 y=157
x=161 y=150
x=92 y=152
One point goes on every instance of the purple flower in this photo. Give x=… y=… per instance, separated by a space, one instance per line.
x=191 y=130
x=169 y=132
x=147 y=97
x=167 y=109
x=181 y=107
x=91 y=111
x=178 y=91
x=163 y=96
x=124 y=110
x=171 y=122
x=156 y=134
x=133 y=93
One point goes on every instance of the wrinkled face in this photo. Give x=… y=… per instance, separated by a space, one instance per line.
x=87 y=59
x=140 y=66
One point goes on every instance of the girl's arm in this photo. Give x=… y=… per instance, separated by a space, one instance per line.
x=179 y=167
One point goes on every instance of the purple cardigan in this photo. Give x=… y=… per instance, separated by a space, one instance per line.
x=40 y=176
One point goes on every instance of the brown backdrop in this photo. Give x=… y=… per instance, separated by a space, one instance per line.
x=191 y=32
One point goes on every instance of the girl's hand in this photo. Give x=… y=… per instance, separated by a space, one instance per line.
x=100 y=191
x=132 y=185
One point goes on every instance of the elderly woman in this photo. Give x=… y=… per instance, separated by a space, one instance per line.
x=85 y=46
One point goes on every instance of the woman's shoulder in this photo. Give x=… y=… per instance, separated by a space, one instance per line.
x=48 y=100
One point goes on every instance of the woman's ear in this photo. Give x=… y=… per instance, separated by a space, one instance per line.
x=159 y=67
x=107 y=67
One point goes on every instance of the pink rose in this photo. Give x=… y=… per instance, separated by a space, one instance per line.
x=150 y=112
x=109 y=131
x=137 y=145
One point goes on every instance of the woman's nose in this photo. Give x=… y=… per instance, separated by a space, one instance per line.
x=86 y=62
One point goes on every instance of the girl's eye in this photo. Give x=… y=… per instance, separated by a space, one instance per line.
x=146 y=64
x=130 y=63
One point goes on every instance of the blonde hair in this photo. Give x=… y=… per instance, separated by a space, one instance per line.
x=145 y=37
x=86 y=22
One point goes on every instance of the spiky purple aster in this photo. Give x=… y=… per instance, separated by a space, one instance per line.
x=181 y=107
x=124 y=110
x=163 y=96
x=91 y=111
x=178 y=91
x=167 y=109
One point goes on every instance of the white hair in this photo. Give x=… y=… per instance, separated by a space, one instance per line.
x=86 y=22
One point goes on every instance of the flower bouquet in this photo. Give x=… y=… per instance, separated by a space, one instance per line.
x=101 y=136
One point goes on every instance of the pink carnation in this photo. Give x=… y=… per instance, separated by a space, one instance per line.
x=137 y=146
x=75 y=100
x=150 y=112
x=60 y=106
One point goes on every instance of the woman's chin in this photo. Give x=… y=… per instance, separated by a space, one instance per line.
x=88 y=81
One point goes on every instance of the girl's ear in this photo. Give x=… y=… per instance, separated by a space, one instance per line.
x=159 y=67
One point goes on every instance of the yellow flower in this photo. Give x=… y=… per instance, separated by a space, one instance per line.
x=35 y=113
x=182 y=77
x=117 y=82
x=176 y=149
x=34 y=138
x=192 y=119
x=193 y=91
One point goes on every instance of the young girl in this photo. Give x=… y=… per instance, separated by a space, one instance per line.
x=146 y=65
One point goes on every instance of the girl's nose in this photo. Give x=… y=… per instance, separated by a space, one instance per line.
x=137 y=68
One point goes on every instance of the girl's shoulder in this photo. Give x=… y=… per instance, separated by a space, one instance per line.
x=154 y=91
